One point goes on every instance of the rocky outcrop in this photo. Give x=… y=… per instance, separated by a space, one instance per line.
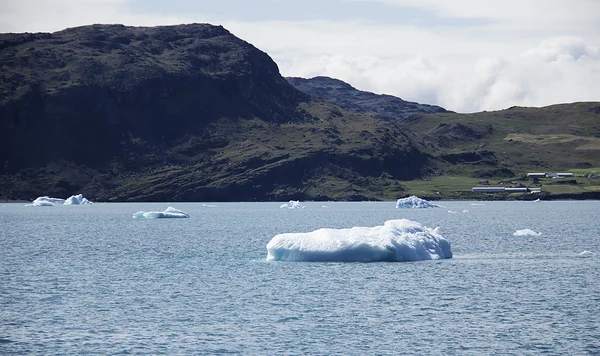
x=384 y=107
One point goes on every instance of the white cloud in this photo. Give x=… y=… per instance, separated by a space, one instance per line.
x=537 y=11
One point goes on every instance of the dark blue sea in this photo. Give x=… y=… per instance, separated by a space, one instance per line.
x=90 y=280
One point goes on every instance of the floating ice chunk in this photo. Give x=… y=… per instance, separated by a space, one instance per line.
x=451 y=212
x=209 y=205
x=537 y=200
x=397 y=240
x=476 y=204
x=586 y=254
x=292 y=204
x=415 y=202
x=46 y=201
x=77 y=200
x=169 y=213
x=465 y=211
x=526 y=232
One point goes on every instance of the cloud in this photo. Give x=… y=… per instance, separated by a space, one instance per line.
x=535 y=11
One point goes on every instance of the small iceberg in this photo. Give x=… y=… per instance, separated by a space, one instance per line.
x=77 y=200
x=586 y=254
x=537 y=200
x=46 y=201
x=527 y=232
x=72 y=200
x=414 y=202
x=170 y=213
x=396 y=241
x=292 y=204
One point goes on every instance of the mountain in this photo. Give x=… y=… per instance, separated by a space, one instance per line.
x=384 y=107
x=193 y=113
x=186 y=112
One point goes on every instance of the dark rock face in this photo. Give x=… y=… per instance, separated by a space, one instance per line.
x=82 y=93
x=184 y=112
x=384 y=107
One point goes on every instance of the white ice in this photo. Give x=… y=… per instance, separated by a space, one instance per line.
x=415 y=202
x=293 y=204
x=397 y=240
x=169 y=213
x=586 y=254
x=46 y=201
x=72 y=200
x=526 y=232
x=77 y=200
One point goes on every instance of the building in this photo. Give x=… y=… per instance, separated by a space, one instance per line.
x=487 y=189
x=515 y=190
x=536 y=175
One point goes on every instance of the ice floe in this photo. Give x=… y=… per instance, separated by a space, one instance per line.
x=397 y=240
x=77 y=200
x=586 y=254
x=46 y=201
x=292 y=204
x=526 y=232
x=72 y=200
x=169 y=213
x=413 y=202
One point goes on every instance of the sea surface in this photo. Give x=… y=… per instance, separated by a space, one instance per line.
x=90 y=280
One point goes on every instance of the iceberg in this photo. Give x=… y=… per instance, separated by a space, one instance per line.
x=77 y=200
x=526 y=232
x=414 y=202
x=46 y=201
x=397 y=241
x=171 y=213
x=72 y=200
x=586 y=253
x=292 y=204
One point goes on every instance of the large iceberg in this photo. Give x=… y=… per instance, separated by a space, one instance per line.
x=46 y=201
x=414 y=202
x=169 y=213
x=397 y=240
x=77 y=200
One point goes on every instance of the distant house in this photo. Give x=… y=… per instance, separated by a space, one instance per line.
x=515 y=190
x=487 y=189
x=536 y=175
x=549 y=175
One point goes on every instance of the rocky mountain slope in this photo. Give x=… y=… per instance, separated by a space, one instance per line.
x=384 y=107
x=186 y=112
x=193 y=113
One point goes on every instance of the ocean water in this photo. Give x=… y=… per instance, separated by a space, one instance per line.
x=90 y=280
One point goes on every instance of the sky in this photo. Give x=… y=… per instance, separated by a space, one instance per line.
x=464 y=55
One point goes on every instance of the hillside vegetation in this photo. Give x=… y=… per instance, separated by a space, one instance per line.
x=193 y=113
